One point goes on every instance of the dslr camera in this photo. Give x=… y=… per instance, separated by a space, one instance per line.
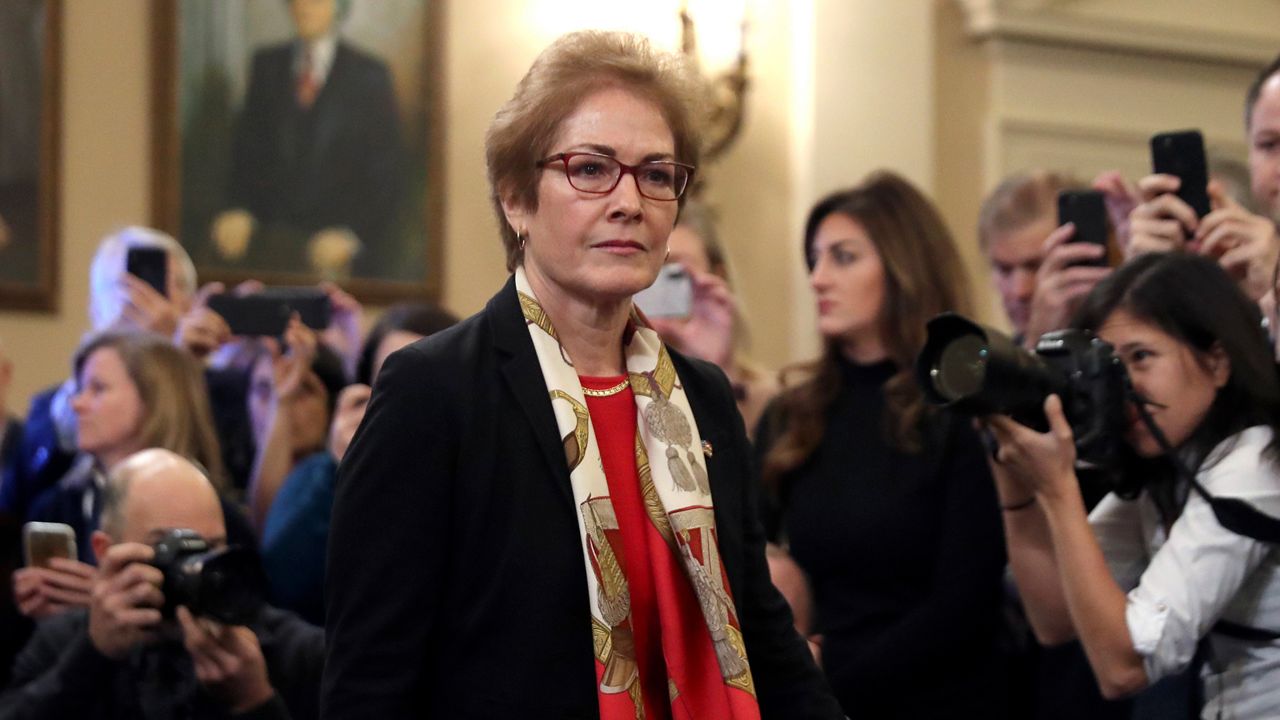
x=977 y=371
x=226 y=584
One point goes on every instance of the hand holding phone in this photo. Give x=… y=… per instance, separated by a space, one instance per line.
x=1181 y=154
x=44 y=541
x=706 y=329
x=151 y=265
x=53 y=581
x=266 y=313
x=1087 y=211
x=670 y=295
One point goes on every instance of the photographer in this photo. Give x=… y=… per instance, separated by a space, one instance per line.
x=122 y=659
x=1153 y=585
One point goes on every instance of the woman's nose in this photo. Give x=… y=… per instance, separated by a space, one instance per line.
x=626 y=197
x=818 y=276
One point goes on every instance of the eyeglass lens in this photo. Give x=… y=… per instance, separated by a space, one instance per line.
x=599 y=173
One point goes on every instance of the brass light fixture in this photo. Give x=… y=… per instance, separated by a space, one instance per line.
x=726 y=93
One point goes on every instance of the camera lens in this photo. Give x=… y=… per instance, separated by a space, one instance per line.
x=231 y=588
x=961 y=368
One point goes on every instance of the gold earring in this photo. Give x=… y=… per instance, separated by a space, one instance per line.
x=520 y=238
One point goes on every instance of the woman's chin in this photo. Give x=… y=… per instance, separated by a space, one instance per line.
x=1143 y=443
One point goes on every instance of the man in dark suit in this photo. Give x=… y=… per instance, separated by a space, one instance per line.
x=316 y=148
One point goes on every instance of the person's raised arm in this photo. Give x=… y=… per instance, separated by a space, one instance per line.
x=1245 y=245
x=275 y=450
x=1095 y=601
x=1064 y=278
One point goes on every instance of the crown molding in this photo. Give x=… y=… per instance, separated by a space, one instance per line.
x=1047 y=23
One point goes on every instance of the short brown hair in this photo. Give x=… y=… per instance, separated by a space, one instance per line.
x=573 y=67
x=1020 y=200
x=175 y=399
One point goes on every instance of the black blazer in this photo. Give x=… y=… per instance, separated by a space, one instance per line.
x=456 y=586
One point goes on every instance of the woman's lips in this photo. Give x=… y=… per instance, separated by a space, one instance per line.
x=620 y=247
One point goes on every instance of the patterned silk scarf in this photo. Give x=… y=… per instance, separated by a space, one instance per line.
x=677 y=499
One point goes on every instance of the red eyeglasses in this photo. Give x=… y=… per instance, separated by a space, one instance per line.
x=599 y=174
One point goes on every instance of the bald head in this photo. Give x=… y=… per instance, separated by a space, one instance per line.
x=155 y=490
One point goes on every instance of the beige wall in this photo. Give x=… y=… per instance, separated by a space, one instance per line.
x=105 y=148
x=952 y=93
x=488 y=46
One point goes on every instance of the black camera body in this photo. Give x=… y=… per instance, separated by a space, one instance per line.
x=978 y=371
x=225 y=584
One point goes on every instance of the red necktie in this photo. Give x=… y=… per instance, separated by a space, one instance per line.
x=307 y=87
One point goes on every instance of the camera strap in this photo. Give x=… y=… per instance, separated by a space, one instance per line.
x=1233 y=514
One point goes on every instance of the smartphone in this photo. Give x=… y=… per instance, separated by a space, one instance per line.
x=267 y=312
x=1087 y=209
x=1182 y=153
x=670 y=296
x=150 y=264
x=45 y=541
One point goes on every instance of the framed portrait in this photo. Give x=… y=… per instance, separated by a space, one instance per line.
x=30 y=127
x=300 y=140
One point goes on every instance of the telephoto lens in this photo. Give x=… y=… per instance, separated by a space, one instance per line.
x=225 y=584
x=976 y=370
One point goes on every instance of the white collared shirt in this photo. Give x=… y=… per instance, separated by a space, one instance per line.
x=322 y=54
x=1182 y=581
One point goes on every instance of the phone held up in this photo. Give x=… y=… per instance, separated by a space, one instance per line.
x=266 y=313
x=1181 y=153
x=1087 y=210
x=45 y=541
x=670 y=296
x=151 y=265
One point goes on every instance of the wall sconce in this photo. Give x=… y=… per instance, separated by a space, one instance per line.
x=726 y=92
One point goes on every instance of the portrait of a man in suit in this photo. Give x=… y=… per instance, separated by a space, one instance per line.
x=315 y=150
x=302 y=128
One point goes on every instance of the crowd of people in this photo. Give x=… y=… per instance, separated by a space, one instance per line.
x=562 y=507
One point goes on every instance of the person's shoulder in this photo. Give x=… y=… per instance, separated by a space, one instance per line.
x=699 y=377
x=1241 y=464
x=442 y=361
x=41 y=405
x=274 y=54
x=360 y=58
x=457 y=345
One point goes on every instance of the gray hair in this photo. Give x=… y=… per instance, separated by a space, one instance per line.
x=106 y=299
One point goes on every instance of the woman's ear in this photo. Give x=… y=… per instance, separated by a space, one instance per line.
x=1219 y=365
x=515 y=212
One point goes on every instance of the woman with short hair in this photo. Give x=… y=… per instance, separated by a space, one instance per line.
x=546 y=513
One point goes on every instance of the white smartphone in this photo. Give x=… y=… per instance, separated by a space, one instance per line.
x=44 y=541
x=670 y=296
